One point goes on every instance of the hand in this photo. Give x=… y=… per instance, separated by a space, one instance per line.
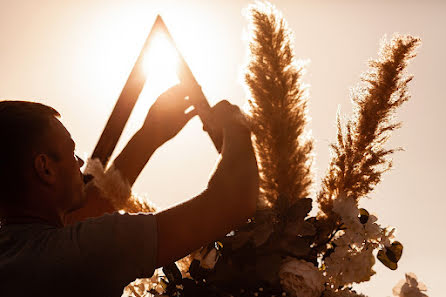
x=229 y=118
x=167 y=115
x=229 y=200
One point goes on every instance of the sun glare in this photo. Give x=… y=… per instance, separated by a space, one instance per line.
x=160 y=68
x=160 y=64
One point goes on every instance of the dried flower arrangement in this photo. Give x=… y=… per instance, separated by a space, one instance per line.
x=283 y=250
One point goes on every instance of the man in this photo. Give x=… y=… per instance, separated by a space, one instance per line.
x=42 y=188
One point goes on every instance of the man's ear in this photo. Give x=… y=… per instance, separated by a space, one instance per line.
x=44 y=167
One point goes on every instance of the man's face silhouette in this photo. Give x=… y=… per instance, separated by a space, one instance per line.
x=69 y=184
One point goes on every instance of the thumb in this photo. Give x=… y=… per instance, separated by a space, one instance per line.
x=190 y=114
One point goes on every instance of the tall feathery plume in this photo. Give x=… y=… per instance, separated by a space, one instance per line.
x=359 y=158
x=278 y=109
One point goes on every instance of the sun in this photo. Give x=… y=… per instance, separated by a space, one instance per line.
x=160 y=64
x=159 y=70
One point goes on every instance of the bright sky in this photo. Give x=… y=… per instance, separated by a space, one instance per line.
x=76 y=56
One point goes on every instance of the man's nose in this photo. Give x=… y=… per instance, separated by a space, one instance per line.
x=80 y=161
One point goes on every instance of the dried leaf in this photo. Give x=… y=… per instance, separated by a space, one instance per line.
x=363 y=216
x=382 y=257
x=262 y=234
x=300 y=228
x=298 y=247
x=299 y=209
x=238 y=240
x=264 y=215
x=395 y=251
x=390 y=256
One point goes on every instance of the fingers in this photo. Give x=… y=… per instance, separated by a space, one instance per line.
x=180 y=90
x=177 y=90
x=190 y=114
x=175 y=94
x=223 y=105
x=227 y=113
x=221 y=110
x=175 y=98
x=224 y=115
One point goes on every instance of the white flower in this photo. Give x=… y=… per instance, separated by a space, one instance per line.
x=349 y=237
x=410 y=287
x=387 y=236
x=372 y=229
x=142 y=286
x=301 y=278
x=346 y=207
x=346 y=266
x=355 y=233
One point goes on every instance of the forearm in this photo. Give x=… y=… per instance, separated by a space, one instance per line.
x=197 y=222
x=229 y=200
x=236 y=177
x=188 y=226
x=133 y=158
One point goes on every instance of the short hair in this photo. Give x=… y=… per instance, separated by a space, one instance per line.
x=22 y=126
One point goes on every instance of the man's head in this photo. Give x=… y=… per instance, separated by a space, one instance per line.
x=38 y=166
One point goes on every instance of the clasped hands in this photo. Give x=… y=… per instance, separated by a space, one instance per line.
x=168 y=115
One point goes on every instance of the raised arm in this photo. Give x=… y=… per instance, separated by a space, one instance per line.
x=164 y=120
x=229 y=200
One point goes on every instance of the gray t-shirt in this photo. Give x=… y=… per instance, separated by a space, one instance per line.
x=97 y=257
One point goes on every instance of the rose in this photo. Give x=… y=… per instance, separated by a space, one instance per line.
x=301 y=278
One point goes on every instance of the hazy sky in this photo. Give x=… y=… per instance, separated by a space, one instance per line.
x=76 y=56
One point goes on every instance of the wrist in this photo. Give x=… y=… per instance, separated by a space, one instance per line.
x=236 y=139
x=136 y=154
x=150 y=137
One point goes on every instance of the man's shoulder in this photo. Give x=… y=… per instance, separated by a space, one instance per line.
x=21 y=236
x=36 y=256
x=34 y=243
x=107 y=252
